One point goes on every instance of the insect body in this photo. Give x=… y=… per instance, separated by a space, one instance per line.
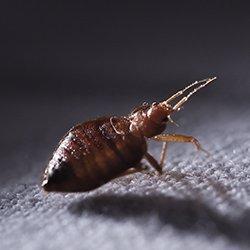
x=97 y=151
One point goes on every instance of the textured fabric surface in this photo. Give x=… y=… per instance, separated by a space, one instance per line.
x=198 y=203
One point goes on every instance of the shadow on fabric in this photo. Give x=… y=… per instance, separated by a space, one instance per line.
x=189 y=215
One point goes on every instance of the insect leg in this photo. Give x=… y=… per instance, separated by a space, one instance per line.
x=153 y=162
x=179 y=138
x=163 y=153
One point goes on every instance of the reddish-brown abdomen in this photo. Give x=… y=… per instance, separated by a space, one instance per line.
x=92 y=154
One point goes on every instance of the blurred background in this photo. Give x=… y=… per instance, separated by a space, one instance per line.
x=63 y=62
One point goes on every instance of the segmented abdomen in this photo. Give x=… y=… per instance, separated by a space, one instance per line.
x=97 y=153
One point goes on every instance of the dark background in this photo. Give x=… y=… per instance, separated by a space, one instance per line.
x=62 y=62
x=93 y=47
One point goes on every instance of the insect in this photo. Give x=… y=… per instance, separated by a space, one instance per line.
x=94 y=152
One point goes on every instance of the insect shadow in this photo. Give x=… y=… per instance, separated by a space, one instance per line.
x=187 y=215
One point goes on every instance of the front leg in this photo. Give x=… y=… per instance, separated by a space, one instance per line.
x=165 y=138
x=179 y=138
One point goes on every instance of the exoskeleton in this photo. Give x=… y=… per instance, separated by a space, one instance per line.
x=94 y=152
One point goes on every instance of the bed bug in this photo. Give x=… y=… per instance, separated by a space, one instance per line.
x=95 y=152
